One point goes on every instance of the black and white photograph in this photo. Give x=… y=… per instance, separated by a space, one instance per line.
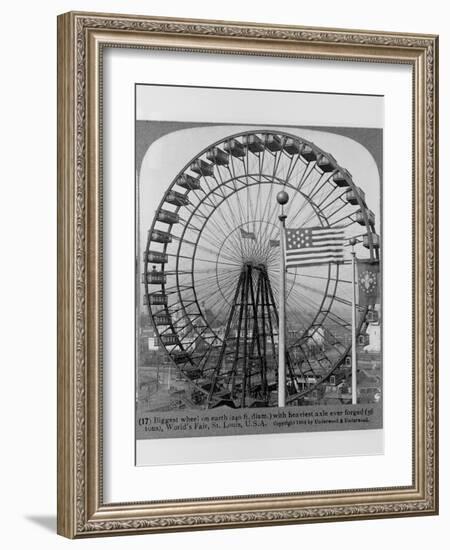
x=258 y=266
x=220 y=283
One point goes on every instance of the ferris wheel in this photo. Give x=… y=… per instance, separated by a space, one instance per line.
x=211 y=269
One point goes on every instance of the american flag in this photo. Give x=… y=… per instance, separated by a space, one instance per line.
x=314 y=246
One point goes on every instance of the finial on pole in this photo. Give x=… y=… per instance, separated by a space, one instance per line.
x=282 y=197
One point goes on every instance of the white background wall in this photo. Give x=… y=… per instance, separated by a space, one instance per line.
x=28 y=271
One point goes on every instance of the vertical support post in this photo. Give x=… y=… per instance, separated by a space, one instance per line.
x=282 y=198
x=228 y=336
x=354 y=385
x=245 y=374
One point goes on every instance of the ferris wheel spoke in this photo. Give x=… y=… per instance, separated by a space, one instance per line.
x=247 y=177
x=302 y=311
x=213 y=236
x=299 y=368
x=300 y=273
x=302 y=307
x=340 y=220
x=202 y=270
x=286 y=169
x=261 y=159
x=204 y=289
x=202 y=196
x=301 y=210
x=330 y=192
x=302 y=288
x=335 y=212
x=194 y=244
x=231 y=167
x=271 y=205
x=297 y=316
x=248 y=202
x=328 y=338
x=339 y=320
x=311 y=217
x=234 y=176
x=224 y=280
x=307 y=289
x=231 y=172
x=208 y=187
x=245 y=171
x=192 y=343
x=310 y=367
x=220 y=284
x=217 y=305
x=299 y=302
x=325 y=192
x=207 y=220
x=334 y=341
x=222 y=184
x=348 y=303
x=196 y=211
x=243 y=217
x=277 y=156
x=219 y=189
x=218 y=313
x=210 y=289
x=270 y=231
x=210 y=241
x=309 y=167
x=224 y=219
x=223 y=277
x=174 y=324
x=213 y=277
x=206 y=199
x=235 y=221
x=298 y=173
x=227 y=254
x=215 y=262
x=172 y=289
x=322 y=180
x=336 y=200
x=189 y=225
x=292 y=167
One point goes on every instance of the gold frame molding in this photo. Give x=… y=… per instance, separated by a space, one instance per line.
x=81 y=37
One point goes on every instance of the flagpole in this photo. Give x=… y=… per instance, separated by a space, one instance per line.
x=354 y=385
x=282 y=198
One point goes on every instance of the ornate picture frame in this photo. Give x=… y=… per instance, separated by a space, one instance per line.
x=82 y=39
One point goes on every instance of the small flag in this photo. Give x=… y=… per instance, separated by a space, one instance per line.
x=247 y=234
x=314 y=246
x=368 y=282
x=273 y=243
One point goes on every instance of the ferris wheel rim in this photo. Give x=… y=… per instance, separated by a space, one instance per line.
x=373 y=251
